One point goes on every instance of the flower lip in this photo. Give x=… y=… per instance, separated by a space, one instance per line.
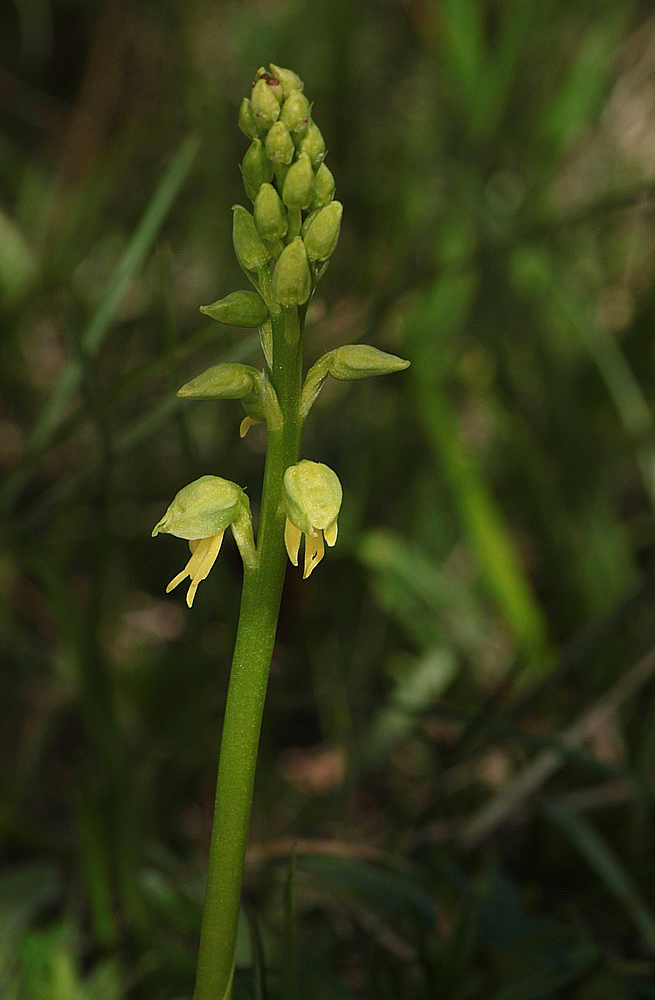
x=203 y=508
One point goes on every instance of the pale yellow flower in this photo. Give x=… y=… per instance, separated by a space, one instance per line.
x=201 y=513
x=312 y=500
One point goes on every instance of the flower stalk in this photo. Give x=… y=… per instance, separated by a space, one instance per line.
x=283 y=249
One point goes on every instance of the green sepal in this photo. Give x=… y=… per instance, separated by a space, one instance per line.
x=298 y=184
x=292 y=282
x=352 y=361
x=313 y=144
x=296 y=112
x=324 y=186
x=362 y=361
x=203 y=508
x=226 y=381
x=256 y=168
x=322 y=233
x=311 y=496
x=242 y=308
x=289 y=80
x=279 y=144
x=269 y=213
x=265 y=103
x=247 y=120
x=251 y=252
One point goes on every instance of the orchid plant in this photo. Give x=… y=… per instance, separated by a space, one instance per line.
x=283 y=247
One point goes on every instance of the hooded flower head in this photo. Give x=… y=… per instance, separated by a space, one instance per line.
x=200 y=513
x=312 y=500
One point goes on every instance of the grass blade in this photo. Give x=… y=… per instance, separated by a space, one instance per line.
x=605 y=863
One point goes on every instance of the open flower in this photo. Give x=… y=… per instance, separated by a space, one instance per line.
x=201 y=513
x=312 y=500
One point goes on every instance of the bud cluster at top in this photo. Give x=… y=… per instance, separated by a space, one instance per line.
x=294 y=226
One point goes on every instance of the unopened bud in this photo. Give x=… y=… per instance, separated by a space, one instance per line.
x=323 y=191
x=243 y=308
x=265 y=104
x=297 y=189
x=362 y=361
x=279 y=144
x=256 y=168
x=226 y=381
x=292 y=281
x=323 y=231
x=296 y=112
x=270 y=215
x=251 y=252
x=313 y=144
x=289 y=80
x=247 y=120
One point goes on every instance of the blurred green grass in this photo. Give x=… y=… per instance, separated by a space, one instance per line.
x=461 y=716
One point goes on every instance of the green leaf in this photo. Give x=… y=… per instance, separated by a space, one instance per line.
x=605 y=863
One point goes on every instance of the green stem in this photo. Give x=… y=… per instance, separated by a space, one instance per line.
x=260 y=603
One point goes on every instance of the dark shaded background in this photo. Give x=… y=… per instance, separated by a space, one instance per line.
x=461 y=719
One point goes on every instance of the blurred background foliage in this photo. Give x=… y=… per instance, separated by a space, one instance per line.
x=455 y=791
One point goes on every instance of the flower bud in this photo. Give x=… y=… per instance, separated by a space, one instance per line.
x=292 y=281
x=226 y=381
x=311 y=496
x=274 y=83
x=297 y=189
x=323 y=191
x=247 y=120
x=251 y=252
x=361 y=361
x=323 y=231
x=295 y=113
x=313 y=144
x=279 y=144
x=243 y=308
x=265 y=104
x=203 y=508
x=289 y=80
x=256 y=168
x=270 y=215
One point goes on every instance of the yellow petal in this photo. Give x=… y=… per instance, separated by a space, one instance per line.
x=314 y=552
x=246 y=424
x=198 y=553
x=292 y=536
x=202 y=571
x=213 y=549
x=330 y=534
